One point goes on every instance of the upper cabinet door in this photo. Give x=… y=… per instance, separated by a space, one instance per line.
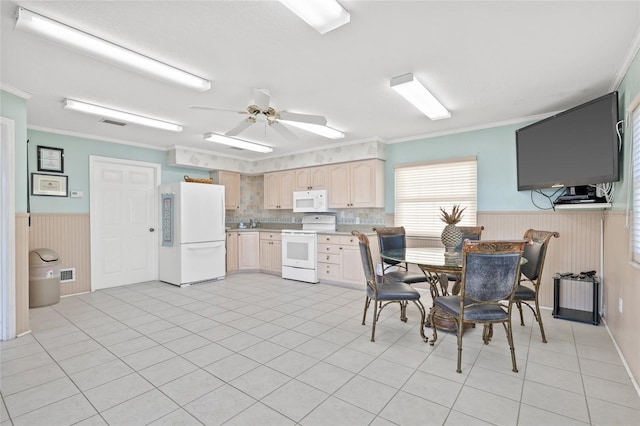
x=339 y=186
x=319 y=177
x=312 y=178
x=231 y=182
x=287 y=183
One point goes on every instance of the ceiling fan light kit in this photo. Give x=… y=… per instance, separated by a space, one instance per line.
x=95 y=46
x=418 y=95
x=74 y=105
x=323 y=15
x=236 y=143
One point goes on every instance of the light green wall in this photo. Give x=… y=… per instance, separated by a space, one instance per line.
x=76 y=166
x=15 y=108
x=627 y=91
x=495 y=149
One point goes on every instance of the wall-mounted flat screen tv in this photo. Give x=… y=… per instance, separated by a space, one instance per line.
x=573 y=148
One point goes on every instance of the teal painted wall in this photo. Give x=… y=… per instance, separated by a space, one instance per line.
x=629 y=88
x=76 y=166
x=15 y=108
x=495 y=149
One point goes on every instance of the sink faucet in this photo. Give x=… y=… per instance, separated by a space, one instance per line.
x=252 y=224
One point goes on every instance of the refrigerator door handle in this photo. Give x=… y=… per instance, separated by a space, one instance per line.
x=203 y=247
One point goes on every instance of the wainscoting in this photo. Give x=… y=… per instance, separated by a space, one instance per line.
x=577 y=249
x=69 y=236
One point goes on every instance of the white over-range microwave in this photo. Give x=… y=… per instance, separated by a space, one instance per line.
x=310 y=201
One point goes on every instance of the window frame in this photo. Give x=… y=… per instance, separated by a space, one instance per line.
x=634 y=192
x=425 y=205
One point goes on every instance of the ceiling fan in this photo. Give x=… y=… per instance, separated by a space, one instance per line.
x=260 y=111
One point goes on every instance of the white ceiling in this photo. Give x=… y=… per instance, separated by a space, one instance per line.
x=487 y=62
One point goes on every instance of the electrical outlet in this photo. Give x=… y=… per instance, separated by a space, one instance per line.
x=620 y=304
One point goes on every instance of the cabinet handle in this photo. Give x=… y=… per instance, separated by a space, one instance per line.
x=328 y=257
x=339 y=248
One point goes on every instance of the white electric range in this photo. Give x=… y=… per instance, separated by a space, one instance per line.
x=300 y=247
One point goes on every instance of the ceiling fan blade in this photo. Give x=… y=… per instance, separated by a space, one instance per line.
x=318 y=120
x=240 y=127
x=211 y=108
x=284 y=132
x=261 y=97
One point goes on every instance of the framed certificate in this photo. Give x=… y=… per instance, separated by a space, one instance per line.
x=52 y=185
x=50 y=159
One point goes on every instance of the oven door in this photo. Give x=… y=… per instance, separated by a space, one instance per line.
x=299 y=249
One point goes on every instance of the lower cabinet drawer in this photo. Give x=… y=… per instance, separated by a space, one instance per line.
x=329 y=258
x=328 y=248
x=328 y=271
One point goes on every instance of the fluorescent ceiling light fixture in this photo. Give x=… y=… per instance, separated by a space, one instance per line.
x=323 y=15
x=236 y=143
x=92 y=45
x=313 y=124
x=416 y=93
x=119 y=115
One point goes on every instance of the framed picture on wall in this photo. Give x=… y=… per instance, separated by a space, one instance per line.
x=50 y=159
x=51 y=185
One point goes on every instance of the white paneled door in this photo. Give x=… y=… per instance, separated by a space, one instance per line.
x=124 y=222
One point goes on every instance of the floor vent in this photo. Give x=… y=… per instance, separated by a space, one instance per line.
x=67 y=275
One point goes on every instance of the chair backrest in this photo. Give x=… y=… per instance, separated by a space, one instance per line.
x=473 y=233
x=365 y=255
x=536 y=252
x=490 y=269
x=390 y=238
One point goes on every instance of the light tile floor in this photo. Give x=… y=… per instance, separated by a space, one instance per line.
x=254 y=349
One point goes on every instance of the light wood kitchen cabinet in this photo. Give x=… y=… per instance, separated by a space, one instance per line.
x=278 y=189
x=231 y=183
x=248 y=250
x=359 y=184
x=271 y=252
x=339 y=258
x=312 y=178
x=232 y=251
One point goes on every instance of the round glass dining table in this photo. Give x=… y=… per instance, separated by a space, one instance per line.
x=437 y=264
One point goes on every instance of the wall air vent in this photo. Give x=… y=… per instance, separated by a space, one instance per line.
x=67 y=275
x=115 y=123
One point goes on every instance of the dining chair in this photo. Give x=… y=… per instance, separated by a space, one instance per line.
x=390 y=238
x=490 y=271
x=531 y=273
x=387 y=291
x=473 y=233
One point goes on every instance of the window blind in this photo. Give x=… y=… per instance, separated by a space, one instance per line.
x=421 y=189
x=635 y=135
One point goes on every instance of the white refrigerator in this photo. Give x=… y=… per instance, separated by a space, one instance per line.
x=192 y=246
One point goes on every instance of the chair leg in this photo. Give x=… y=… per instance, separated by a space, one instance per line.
x=366 y=306
x=519 y=305
x=539 y=319
x=432 y=313
x=422 y=319
x=403 y=311
x=460 y=331
x=375 y=320
x=507 y=328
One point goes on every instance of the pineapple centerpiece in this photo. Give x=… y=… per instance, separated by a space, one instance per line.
x=451 y=235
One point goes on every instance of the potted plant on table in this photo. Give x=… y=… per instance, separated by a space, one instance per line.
x=451 y=235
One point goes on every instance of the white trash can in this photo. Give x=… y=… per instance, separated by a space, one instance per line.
x=44 y=278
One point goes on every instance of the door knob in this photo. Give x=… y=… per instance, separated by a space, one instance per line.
x=151 y=229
